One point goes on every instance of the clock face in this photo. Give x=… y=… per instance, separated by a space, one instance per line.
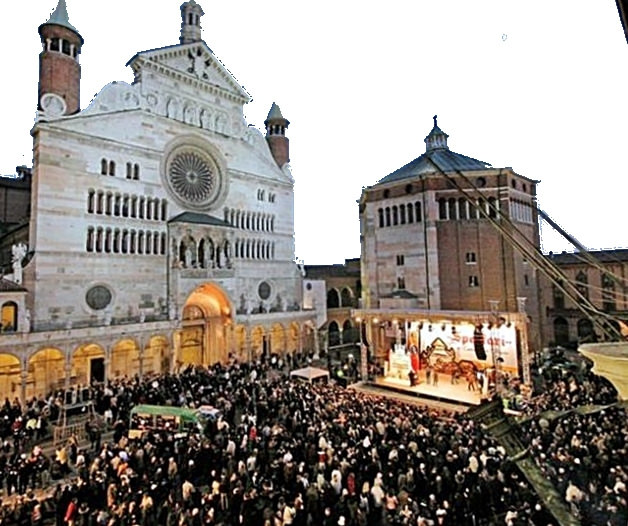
x=194 y=178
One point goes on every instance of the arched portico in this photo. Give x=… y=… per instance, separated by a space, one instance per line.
x=278 y=339
x=88 y=365
x=125 y=359
x=204 y=338
x=156 y=357
x=46 y=372
x=10 y=377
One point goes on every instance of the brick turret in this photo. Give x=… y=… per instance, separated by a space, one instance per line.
x=59 y=68
x=276 y=126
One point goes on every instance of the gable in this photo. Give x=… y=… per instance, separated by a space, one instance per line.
x=196 y=62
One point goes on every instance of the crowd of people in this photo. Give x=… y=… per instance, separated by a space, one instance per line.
x=288 y=452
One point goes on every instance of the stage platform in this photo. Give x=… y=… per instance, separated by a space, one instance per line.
x=444 y=391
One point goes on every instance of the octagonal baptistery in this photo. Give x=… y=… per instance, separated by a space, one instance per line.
x=155 y=189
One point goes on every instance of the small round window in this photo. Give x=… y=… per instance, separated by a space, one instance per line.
x=481 y=182
x=98 y=297
x=308 y=286
x=263 y=290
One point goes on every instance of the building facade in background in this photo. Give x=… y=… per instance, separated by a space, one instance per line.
x=161 y=228
x=601 y=277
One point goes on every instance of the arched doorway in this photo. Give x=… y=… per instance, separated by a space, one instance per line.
x=10 y=378
x=333 y=334
x=206 y=320
x=88 y=365
x=125 y=359
x=156 y=357
x=333 y=299
x=46 y=372
x=561 y=331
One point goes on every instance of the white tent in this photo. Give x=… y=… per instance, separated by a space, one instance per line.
x=311 y=374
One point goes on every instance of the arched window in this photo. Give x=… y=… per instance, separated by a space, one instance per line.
x=333 y=334
x=492 y=207
x=140 y=242
x=125 y=206
x=418 y=216
x=149 y=208
x=402 y=214
x=462 y=208
x=162 y=249
x=108 y=240
x=90 y=239
x=149 y=242
x=582 y=284
x=136 y=172
x=608 y=293
x=125 y=241
x=395 y=216
x=116 y=205
x=134 y=206
x=442 y=209
x=349 y=333
x=451 y=208
x=104 y=167
x=109 y=204
x=99 y=199
x=387 y=216
x=346 y=297
x=156 y=243
x=133 y=247
x=140 y=212
x=380 y=215
x=9 y=316
x=561 y=331
x=116 y=241
x=333 y=299
x=112 y=168
x=99 y=233
x=410 y=213
x=129 y=171
x=90 y=201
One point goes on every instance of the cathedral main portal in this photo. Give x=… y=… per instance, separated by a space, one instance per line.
x=204 y=336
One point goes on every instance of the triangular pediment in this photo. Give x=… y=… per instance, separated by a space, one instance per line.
x=196 y=61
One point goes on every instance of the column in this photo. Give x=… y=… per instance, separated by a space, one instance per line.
x=23 y=378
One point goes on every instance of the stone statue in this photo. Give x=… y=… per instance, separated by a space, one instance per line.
x=188 y=257
x=18 y=252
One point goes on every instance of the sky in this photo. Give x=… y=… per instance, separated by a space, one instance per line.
x=538 y=86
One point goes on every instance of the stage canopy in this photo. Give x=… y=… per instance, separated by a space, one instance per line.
x=311 y=374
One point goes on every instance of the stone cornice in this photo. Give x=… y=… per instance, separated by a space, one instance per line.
x=172 y=73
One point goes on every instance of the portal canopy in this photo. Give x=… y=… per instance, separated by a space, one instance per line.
x=211 y=300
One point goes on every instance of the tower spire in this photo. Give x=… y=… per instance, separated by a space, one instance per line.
x=191 y=14
x=59 y=68
x=276 y=126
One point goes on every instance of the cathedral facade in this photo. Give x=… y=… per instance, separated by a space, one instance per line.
x=161 y=228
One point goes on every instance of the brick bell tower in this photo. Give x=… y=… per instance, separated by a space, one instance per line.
x=59 y=68
x=276 y=126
